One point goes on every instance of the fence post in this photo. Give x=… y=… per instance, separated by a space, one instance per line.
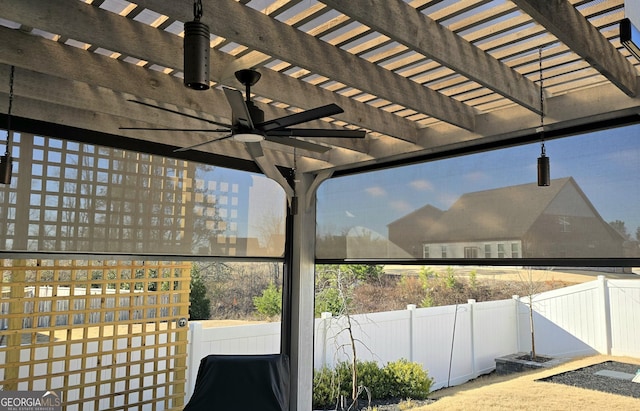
x=194 y=355
x=604 y=292
x=411 y=308
x=472 y=342
x=326 y=319
x=516 y=299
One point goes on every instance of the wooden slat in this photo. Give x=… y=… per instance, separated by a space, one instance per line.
x=396 y=19
x=259 y=32
x=573 y=29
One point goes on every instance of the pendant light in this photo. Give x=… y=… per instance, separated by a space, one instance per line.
x=196 y=51
x=6 y=160
x=544 y=168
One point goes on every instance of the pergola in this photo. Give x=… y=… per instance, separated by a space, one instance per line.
x=424 y=79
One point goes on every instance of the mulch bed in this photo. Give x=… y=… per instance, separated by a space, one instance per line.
x=586 y=377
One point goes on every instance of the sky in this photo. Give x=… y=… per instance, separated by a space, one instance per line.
x=606 y=166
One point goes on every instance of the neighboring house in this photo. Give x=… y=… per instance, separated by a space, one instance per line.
x=408 y=231
x=511 y=222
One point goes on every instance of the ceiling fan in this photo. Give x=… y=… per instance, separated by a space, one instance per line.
x=248 y=124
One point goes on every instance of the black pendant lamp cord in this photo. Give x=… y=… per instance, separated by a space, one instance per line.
x=541 y=101
x=8 y=145
x=197 y=10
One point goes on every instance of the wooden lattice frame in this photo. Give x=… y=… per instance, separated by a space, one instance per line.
x=74 y=327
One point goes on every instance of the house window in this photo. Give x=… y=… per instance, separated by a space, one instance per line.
x=425 y=251
x=471 y=252
x=515 y=250
x=487 y=251
x=444 y=251
x=565 y=225
x=500 y=250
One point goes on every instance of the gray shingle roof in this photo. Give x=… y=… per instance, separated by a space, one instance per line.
x=500 y=213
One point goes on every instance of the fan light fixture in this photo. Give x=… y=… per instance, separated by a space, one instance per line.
x=196 y=51
x=6 y=162
x=628 y=32
x=248 y=137
x=544 y=168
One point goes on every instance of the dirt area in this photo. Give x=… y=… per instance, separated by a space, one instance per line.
x=522 y=391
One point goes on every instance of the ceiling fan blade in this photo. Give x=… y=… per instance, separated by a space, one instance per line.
x=200 y=130
x=317 y=132
x=304 y=145
x=177 y=150
x=239 y=111
x=302 y=117
x=180 y=113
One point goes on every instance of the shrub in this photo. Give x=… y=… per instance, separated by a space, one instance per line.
x=200 y=308
x=399 y=379
x=269 y=303
x=325 y=389
x=370 y=375
x=407 y=380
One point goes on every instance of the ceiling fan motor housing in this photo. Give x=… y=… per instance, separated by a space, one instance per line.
x=196 y=55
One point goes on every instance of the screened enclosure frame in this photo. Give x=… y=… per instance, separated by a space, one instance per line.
x=83 y=136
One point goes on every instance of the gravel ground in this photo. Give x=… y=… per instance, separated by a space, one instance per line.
x=586 y=378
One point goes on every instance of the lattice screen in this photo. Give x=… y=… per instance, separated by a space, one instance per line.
x=106 y=334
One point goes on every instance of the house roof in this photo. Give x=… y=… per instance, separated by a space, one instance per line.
x=423 y=215
x=502 y=213
x=422 y=77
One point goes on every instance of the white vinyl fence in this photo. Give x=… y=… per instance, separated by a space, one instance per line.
x=457 y=343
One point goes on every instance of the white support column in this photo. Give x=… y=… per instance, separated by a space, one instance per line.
x=302 y=294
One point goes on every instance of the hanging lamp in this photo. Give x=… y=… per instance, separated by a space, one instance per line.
x=196 y=51
x=6 y=162
x=544 y=167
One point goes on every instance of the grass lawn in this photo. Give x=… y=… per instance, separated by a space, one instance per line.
x=522 y=392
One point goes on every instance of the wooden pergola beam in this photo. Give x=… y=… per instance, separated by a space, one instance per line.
x=570 y=27
x=396 y=19
x=249 y=27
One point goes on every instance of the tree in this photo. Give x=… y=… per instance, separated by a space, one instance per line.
x=269 y=303
x=200 y=308
x=338 y=283
x=532 y=287
x=619 y=226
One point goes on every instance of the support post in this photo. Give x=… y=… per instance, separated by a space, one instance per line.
x=472 y=343
x=302 y=280
x=604 y=292
x=516 y=300
x=411 y=308
x=326 y=319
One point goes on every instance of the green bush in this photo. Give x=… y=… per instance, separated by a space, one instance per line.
x=269 y=303
x=407 y=380
x=371 y=376
x=325 y=389
x=398 y=379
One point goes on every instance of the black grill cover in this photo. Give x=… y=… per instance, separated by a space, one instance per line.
x=241 y=382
